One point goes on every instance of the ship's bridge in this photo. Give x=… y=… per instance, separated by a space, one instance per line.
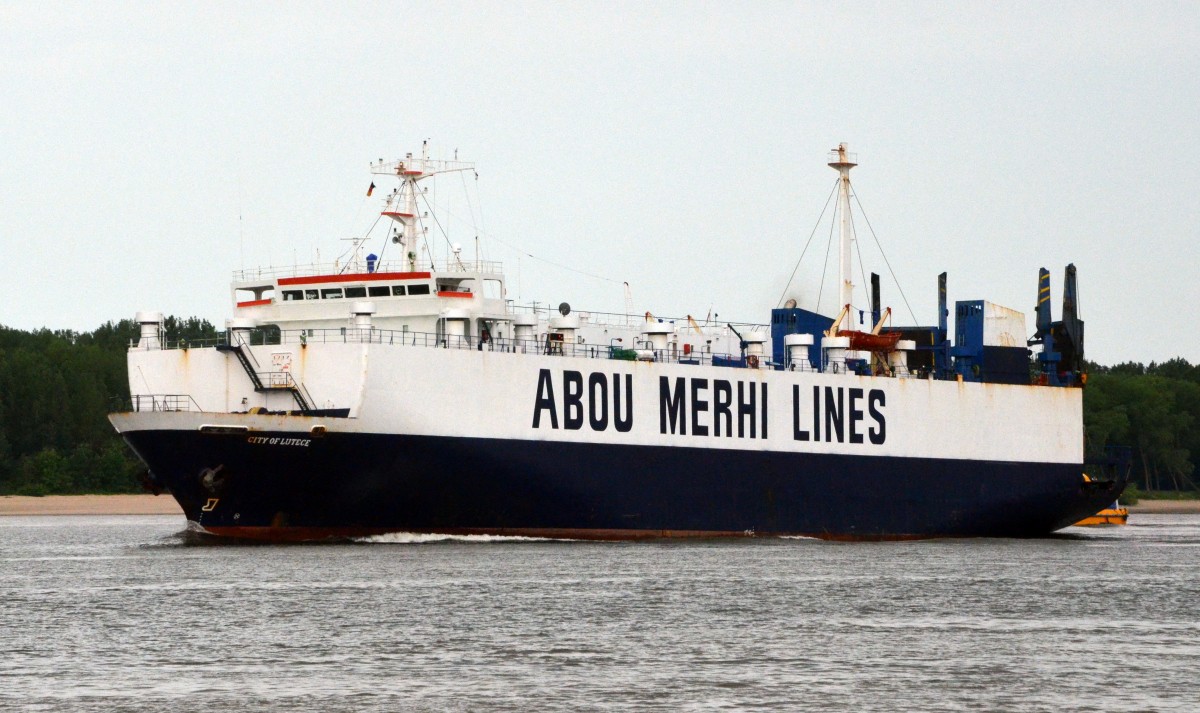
x=404 y=293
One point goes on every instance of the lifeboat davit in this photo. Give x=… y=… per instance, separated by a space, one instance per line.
x=867 y=342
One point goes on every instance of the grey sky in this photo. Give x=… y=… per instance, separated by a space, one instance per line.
x=679 y=146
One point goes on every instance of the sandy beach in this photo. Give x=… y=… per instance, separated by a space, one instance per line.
x=1165 y=507
x=90 y=505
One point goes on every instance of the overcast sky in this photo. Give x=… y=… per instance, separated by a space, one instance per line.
x=151 y=149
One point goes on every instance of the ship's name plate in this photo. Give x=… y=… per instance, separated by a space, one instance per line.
x=278 y=441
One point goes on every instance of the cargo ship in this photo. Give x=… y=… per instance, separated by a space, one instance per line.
x=410 y=394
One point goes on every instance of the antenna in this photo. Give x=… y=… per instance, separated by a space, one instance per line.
x=241 y=232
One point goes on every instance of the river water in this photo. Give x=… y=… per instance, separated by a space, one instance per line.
x=124 y=613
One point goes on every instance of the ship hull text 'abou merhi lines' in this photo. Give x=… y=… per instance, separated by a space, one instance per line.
x=370 y=396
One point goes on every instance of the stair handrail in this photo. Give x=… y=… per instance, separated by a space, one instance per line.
x=235 y=334
x=306 y=398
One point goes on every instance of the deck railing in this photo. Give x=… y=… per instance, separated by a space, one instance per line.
x=163 y=402
x=359 y=267
x=622 y=319
x=543 y=344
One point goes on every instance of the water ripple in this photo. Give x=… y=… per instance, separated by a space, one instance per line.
x=128 y=615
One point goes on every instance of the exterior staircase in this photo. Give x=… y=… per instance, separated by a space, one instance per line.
x=265 y=381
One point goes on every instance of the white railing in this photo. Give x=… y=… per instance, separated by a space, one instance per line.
x=543 y=344
x=617 y=319
x=163 y=402
x=359 y=267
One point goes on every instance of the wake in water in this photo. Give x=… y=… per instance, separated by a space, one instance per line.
x=417 y=538
x=194 y=535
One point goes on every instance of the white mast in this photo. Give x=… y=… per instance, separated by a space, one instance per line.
x=401 y=205
x=843 y=161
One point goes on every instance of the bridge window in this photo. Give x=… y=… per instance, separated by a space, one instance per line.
x=454 y=285
x=418 y=289
x=398 y=290
x=352 y=292
x=293 y=295
x=379 y=291
x=331 y=293
x=312 y=295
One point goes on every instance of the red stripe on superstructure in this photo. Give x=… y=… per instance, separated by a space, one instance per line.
x=356 y=277
x=451 y=293
x=254 y=303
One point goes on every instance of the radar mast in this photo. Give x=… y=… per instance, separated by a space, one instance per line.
x=842 y=160
x=401 y=205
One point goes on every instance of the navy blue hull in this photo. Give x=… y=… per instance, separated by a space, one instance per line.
x=350 y=484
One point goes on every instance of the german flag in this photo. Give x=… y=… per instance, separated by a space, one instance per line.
x=371 y=189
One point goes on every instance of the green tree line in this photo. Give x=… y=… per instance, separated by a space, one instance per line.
x=1153 y=409
x=57 y=387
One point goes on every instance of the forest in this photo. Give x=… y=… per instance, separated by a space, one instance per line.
x=1155 y=410
x=56 y=388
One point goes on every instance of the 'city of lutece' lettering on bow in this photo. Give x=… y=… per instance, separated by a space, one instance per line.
x=726 y=408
